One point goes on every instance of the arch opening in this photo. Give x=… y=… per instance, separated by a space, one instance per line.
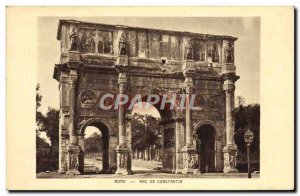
x=153 y=138
x=96 y=148
x=146 y=139
x=206 y=148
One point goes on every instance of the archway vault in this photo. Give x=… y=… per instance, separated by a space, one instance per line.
x=93 y=120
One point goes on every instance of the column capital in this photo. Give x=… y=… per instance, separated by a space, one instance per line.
x=122 y=82
x=230 y=76
x=73 y=77
x=229 y=88
x=64 y=78
x=188 y=85
x=73 y=81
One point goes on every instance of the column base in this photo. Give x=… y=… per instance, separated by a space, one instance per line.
x=73 y=159
x=178 y=171
x=191 y=171
x=123 y=161
x=73 y=172
x=61 y=171
x=190 y=161
x=123 y=171
x=230 y=152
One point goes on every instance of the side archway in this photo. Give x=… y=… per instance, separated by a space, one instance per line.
x=205 y=133
x=108 y=158
x=91 y=121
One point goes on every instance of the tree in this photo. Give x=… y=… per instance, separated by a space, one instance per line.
x=41 y=141
x=51 y=127
x=48 y=123
x=145 y=133
x=93 y=143
x=146 y=130
x=241 y=100
x=38 y=97
x=247 y=117
x=39 y=115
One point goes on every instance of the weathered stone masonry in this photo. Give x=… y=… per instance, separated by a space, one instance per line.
x=99 y=58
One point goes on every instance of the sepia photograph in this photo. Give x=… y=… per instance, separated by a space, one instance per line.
x=156 y=102
x=189 y=104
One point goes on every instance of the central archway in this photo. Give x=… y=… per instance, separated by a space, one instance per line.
x=206 y=148
x=146 y=139
x=160 y=154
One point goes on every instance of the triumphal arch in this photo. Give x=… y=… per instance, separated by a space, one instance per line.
x=97 y=59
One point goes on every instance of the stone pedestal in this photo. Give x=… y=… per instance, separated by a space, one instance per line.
x=123 y=161
x=190 y=160
x=73 y=160
x=179 y=162
x=63 y=155
x=230 y=152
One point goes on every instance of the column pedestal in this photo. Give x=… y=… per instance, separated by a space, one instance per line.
x=73 y=159
x=63 y=155
x=179 y=162
x=123 y=161
x=230 y=152
x=190 y=160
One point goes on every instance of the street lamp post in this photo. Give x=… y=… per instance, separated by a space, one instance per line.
x=248 y=137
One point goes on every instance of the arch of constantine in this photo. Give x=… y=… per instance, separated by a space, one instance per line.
x=97 y=59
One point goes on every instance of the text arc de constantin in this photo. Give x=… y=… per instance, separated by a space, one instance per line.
x=99 y=58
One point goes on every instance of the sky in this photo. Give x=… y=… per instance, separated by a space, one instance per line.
x=247 y=48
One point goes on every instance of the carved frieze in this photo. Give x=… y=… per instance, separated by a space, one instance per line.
x=105 y=42
x=86 y=41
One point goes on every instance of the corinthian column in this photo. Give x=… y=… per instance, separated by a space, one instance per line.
x=230 y=149
x=123 y=153
x=73 y=148
x=189 y=150
x=122 y=82
x=188 y=117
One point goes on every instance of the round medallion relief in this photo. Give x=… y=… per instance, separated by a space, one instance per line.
x=88 y=98
x=214 y=103
x=199 y=103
